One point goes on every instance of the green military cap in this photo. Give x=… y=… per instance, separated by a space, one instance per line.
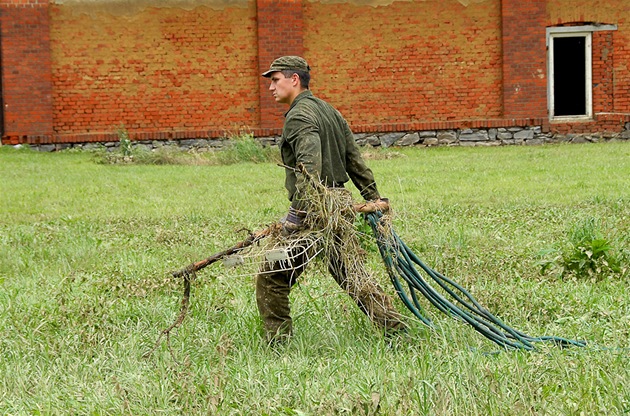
x=287 y=63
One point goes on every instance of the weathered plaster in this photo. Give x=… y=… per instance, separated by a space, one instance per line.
x=467 y=3
x=373 y=3
x=132 y=7
x=377 y=3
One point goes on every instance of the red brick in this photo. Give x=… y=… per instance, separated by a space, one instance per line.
x=26 y=68
x=165 y=72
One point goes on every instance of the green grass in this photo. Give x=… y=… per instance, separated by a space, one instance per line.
x=242 y=147
x=86 y=250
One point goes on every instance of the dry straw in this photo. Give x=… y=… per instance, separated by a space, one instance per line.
x=330 y=222
x=329 y=233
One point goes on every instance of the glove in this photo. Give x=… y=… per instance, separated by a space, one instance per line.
x=293 y=222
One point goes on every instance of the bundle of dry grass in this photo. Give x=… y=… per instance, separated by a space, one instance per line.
x=330 y=234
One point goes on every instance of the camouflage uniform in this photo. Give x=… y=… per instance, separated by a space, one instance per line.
x=316 y=136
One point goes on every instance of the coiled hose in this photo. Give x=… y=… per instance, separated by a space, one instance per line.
x=401 y=263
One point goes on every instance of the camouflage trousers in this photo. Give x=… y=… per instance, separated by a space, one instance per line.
x=273 y=285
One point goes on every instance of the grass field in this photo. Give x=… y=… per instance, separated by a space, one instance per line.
x=86 y=250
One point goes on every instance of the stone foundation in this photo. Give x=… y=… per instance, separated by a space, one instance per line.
x=453 y=137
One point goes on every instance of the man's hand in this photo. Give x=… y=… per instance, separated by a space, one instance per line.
x=381 y=204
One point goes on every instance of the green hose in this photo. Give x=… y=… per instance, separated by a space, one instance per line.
x=401 y=262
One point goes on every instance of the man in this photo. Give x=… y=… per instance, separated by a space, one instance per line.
x=316 y=138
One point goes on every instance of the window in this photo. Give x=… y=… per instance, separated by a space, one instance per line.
x=570 y=76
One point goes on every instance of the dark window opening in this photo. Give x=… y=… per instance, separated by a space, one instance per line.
x=569 y=76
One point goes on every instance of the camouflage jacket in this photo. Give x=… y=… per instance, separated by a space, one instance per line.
x=317 y=136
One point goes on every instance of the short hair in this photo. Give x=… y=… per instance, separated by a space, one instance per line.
x=305 y=76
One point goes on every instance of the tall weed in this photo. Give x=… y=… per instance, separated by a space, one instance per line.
x=242 y=147
x=587 y=254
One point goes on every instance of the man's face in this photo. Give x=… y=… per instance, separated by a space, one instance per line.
x=282 y=88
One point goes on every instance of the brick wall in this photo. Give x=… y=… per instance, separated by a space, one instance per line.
x=26 y=70
x=408 y=62
x=280 y=32
x=179 y=72
x=75 y=71
x=524 y=58
x=603 y=70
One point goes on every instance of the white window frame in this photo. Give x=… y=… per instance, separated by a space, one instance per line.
x=585 y=31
